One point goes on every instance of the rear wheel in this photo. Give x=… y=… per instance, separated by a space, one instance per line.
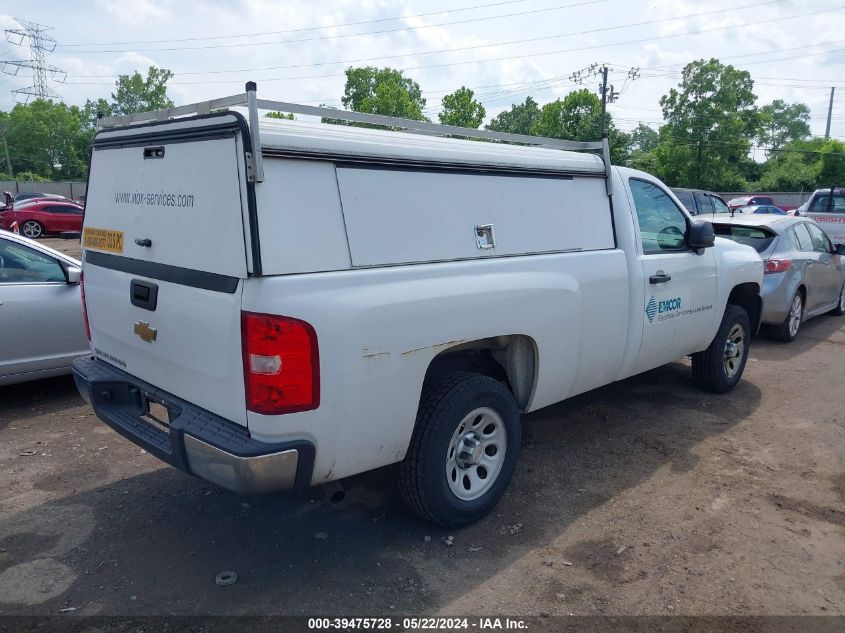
x=788 y=330
x=719 y=367
x=32 y=229
x=463 y=451
x=839 y=310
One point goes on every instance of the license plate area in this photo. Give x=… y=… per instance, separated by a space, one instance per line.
x=157 y=413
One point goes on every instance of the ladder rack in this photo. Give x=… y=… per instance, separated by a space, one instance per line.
x=249 y=100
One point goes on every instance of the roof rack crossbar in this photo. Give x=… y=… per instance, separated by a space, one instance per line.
x=422 y=127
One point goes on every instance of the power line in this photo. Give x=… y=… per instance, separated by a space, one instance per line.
x=309 y=28
x=39 y=45
x=526 y=55
x=343 y=36
x=461 y=48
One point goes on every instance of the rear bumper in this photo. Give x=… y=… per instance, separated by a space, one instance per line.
x=195 y=441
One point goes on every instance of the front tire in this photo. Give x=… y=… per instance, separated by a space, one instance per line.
x=719 y=368
x=788 y=330
x=32 y=229
x=463 y=450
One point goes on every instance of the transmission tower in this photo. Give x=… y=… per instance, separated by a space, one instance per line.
x=39 y=45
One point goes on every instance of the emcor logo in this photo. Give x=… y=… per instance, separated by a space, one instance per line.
x=655 y=307
x=651 y=309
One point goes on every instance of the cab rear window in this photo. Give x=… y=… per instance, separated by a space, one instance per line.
x=757 y=238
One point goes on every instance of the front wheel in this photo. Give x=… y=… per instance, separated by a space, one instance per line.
x=719 y=367
x=463 y=450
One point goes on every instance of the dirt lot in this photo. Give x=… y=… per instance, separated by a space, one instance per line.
x=644 y=497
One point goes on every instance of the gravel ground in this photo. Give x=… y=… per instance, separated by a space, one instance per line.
x=644 y=497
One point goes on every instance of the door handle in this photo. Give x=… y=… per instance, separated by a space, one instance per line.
x=659 y=278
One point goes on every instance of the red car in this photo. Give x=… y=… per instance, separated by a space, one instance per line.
x=43 y=216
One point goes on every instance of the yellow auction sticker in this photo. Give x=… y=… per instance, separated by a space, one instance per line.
x=103 y=240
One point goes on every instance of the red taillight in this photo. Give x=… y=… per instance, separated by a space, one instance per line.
x=84 y=307
x=281 y=364
x=777 y=265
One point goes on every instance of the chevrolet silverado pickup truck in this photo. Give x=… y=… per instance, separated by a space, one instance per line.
x=284 y=303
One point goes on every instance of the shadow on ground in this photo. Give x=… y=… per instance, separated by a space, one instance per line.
x=153 y=543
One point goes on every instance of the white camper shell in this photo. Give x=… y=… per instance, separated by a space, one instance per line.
x=286 y=303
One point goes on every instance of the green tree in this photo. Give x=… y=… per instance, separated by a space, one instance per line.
x=805 y=165
x=281 y=115
x=782 y=123
x=136 y=93
x=518 y=120
x=577 y=117
x=50 y=140
x=383 y=91
x=710 y=121
x=642 y=143
x=461 y=109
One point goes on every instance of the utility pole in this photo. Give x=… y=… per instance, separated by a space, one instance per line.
x=603 y=100
x=829 y=113
x=39 y=45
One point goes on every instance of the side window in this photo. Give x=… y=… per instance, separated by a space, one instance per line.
x=718 y=205
x=687 y=200
x=823 y=203
x=805 y=242
x=820 y=241
x=21 y=264
x=704 y=203
x=663 y=226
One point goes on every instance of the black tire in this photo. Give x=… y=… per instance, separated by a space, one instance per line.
x=839 y=310
x=36 y=231
x=710 y=368
x=445 y=402
x=782 y=331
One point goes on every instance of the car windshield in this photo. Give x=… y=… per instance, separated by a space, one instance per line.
x=758 y=238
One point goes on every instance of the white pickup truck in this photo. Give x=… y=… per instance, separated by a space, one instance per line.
x=278 y=304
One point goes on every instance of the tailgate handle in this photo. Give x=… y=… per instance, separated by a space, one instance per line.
x=143 y=294
x=154 y=152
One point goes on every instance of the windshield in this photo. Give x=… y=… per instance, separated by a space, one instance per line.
x=758 y=238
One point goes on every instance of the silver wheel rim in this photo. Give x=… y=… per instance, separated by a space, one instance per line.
x=31 y=229
x=795 y=315
x=734 y=350
x=842 y=299
x=476 y=453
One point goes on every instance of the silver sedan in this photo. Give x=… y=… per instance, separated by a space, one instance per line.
x=41 y=323
x=804 y=271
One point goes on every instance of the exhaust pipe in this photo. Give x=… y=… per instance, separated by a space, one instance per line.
x=334 y=491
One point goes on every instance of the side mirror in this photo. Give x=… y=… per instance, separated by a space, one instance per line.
x=9 y=202
x=74 y=275
x=840 y=249
x=701 y=235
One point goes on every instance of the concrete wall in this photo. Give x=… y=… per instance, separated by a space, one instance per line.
x=781 y=198
x=67 y=189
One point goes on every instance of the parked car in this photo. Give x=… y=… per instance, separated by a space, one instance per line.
x=827 y=208
x=805 y=272
x=746 y=201
x=41 y=326
x=410 y=297
x=42 y=217
x=762 y=209
x=31 y=195
x=700 y=202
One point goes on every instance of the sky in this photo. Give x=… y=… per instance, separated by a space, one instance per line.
x=504 y=50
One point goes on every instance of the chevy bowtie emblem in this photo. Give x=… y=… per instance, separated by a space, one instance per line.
x=147 y=333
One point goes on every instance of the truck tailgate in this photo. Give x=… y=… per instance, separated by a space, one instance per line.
x=167 y=248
